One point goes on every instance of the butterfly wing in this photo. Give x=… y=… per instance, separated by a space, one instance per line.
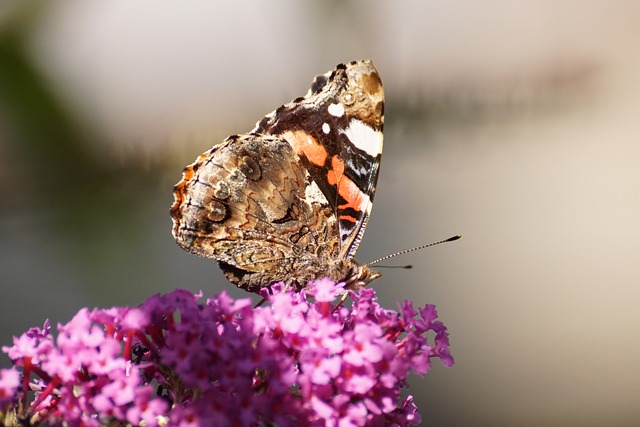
x=247 y=203
x=337 y=131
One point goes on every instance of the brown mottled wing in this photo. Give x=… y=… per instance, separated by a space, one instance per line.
x=249 y=204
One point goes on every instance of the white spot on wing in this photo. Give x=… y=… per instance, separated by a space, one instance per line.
x=326 y=128
x=364 y=137
x=336 y=110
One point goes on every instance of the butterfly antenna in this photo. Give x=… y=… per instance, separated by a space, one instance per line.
x=406 y=251
x=395 y=266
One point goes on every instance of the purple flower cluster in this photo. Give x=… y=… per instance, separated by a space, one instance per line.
x=83 y=377
x=301 y=359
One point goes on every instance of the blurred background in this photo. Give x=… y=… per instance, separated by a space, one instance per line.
x=513 y=123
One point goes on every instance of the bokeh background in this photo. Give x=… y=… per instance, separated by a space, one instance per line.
x=515 y=124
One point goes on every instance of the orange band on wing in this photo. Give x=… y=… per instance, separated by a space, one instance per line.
x=348 y=218
x=302 y=142
x=347 y=189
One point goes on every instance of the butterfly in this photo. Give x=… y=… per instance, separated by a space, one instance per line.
x=290 y=200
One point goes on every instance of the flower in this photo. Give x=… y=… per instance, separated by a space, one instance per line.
x=302 y=358
x=9 y=383
x=325 y=290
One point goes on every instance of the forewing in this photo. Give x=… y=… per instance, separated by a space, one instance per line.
x=336 y=131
